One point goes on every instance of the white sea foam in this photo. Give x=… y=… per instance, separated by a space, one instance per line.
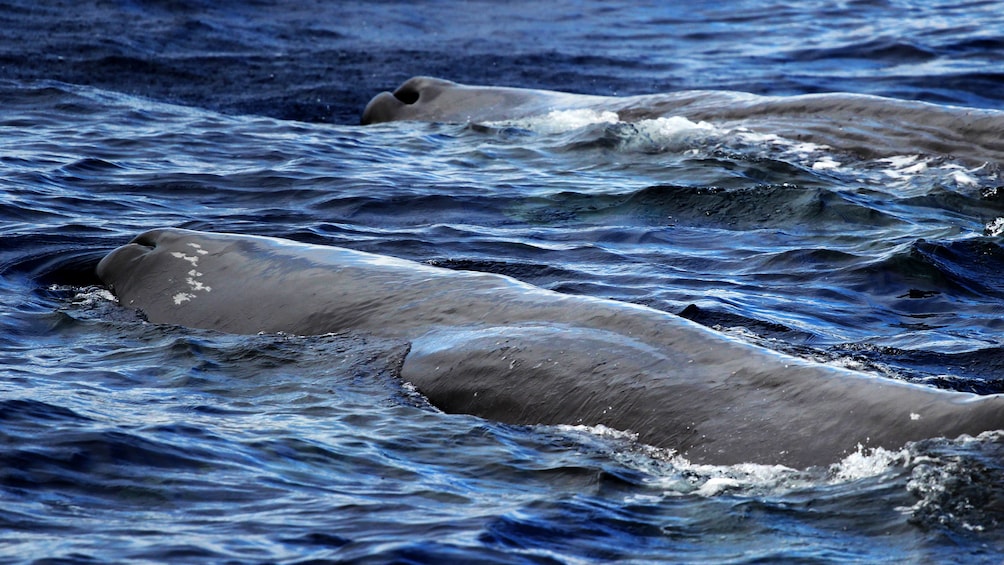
x=867 y=462
x=686 y=478
x=675 y=475
x=902 y=169
x=657 y=133
x=91 y=296
x=826 y=163
x=560 y=121
x=600 y=431
x=995 y=227
x=902 y=166
x=674 y=133
x=946 y=485
x=678 y=134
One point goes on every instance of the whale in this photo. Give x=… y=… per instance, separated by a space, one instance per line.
x=430 y=99
x=865 y=125
x=491 y=346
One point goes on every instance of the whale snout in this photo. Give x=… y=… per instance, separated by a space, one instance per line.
x=386 y=106
x=393 y=106
x=111 y=267
x=117 y=264
x=382 y=108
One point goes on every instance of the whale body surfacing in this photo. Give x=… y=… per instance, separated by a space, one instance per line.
x=489 y=345
x=871 y=126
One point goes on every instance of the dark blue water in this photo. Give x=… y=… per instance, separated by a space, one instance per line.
x=853 y=235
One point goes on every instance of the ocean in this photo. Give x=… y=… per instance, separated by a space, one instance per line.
x=832 y=190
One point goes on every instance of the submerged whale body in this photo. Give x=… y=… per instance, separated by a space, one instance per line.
x=871 y=126
x=489 y=345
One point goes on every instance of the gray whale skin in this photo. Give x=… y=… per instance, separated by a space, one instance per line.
x=870 y=126
x=489 y=345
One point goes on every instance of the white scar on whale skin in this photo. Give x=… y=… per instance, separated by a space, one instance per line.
x=198 y=248
x=194 y=283
x=190 y=258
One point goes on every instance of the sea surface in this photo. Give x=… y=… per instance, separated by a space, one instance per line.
x=853 y=217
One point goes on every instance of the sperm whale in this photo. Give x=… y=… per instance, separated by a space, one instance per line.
x=489 y=345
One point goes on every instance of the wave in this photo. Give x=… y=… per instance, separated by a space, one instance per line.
x=868 y=127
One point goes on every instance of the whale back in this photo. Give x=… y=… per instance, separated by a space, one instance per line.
x=489 y=345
